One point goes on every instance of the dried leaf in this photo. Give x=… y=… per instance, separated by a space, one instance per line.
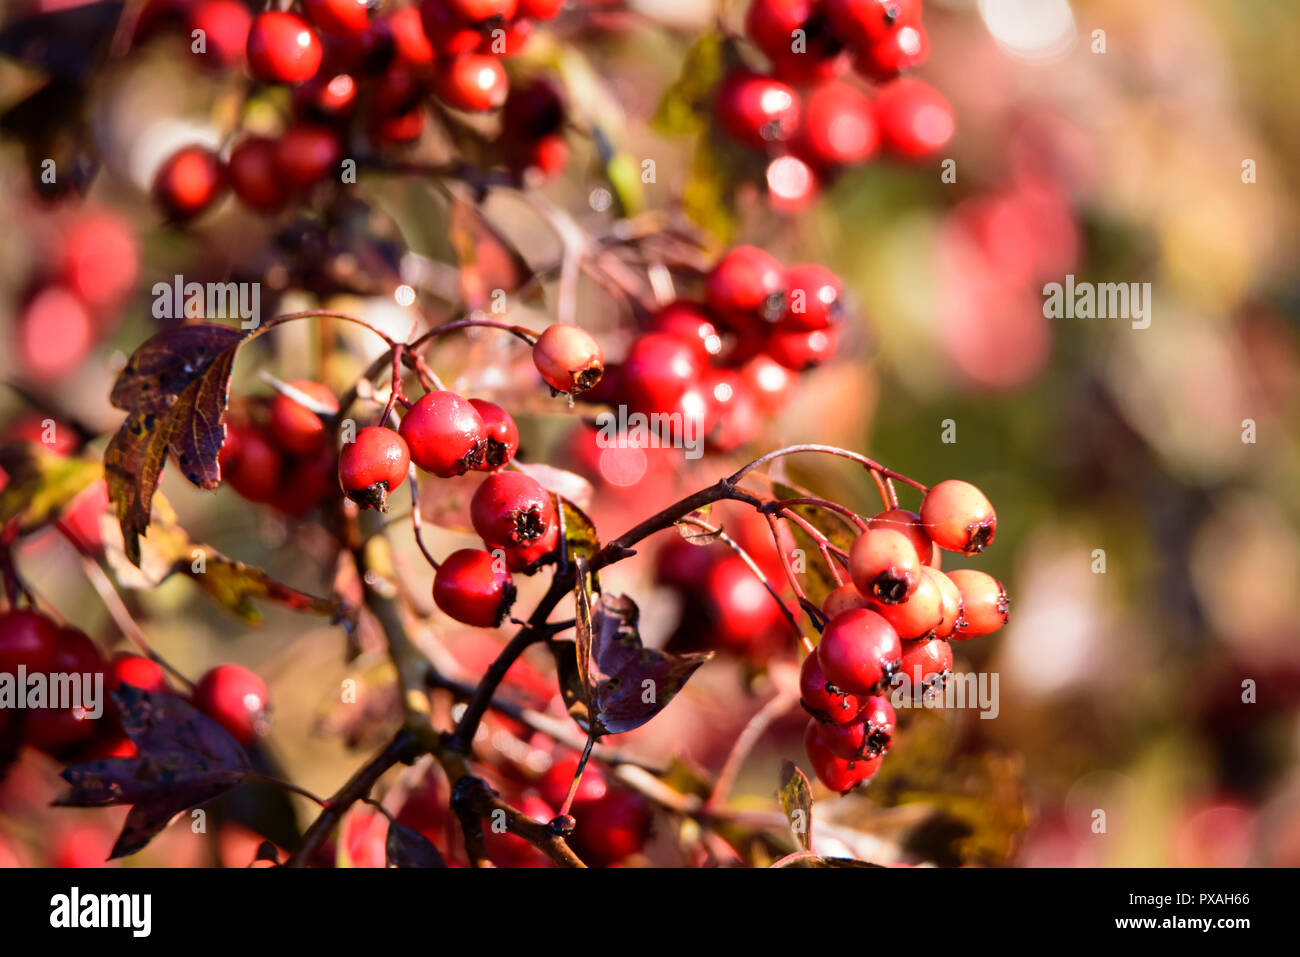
x=795 y=796
x=407 y=847
x=580 y=539
x=487 y=260
x=41 y=484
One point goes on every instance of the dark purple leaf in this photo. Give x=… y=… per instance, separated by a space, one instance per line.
x=407 y=847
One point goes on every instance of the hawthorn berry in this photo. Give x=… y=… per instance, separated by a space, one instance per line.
x=919 y=614
x=958 y=517
x=792 y=184
x=887 y=57
x=27 y=639
x=305 y=154
x=448 y=32
x=772 y=384
x=558 y=778
x=839 y=127
x=925 y=666
x=255 y=472
x=951 y=601
x=859 y=650
x=373 y=465
x=909 y=523
x=823 y=700
x=309 y=481
x=297 y=428
x=483 y=11
x=771 y=24
x=800 y=350
x=836 y=773
x=880 y=719
x=473 y=82
x=814 y=297
x=254 y=177
x=282 y=48
x=740 y=610
x=473 y=587
x=568 y=358
x=511 y=509
x=985 y=606
x=445 y=433
x=658 y=370
x=540 y=9
x=862 y=23
x=612 y=827
x=189 y=182
x=843 y=598
x=99 y=260
x=402 y=30
x=502 y=434
x=527 y=559
x=884 y=565
x=757 y=110
x=137 y=671
x=54 y=730
x=691 y=323
x=55 y=332
x=346 y=18
x=235 y=698
x=747 y=283
x=224 y=26
x=915 y=118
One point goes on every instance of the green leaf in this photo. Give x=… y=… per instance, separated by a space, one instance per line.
x=580 y=539
x=707 y=195
x=795 y=796
x=235 y=584
x=41 y=484
x=684 y=107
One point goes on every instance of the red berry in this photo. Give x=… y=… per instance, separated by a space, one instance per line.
x=371 y=467
x=501 y=431
x=690 y=323
x=792 y=184
x=771 y=24
x=612 y=828
x=346 y=18
x=253 y=174
x=823 y=700
x=858 y=651
x=747 y=284
x=449 y=33
x=236 y=699
x=296 y=427
x=985 y=606
x=548 y=156
x=445 y=433
x=951 y=601
x=55 y=333
x=473 y=82
x=845 y=741
x=842 y=599
x=189 y=182
x=326 y=97
x=540 y=9
x=474 y=588
x=406 y=33
x=282 y=48
x=800 y=350
x=861 y=23
x=511 y=510
x=658 y=370
x=27 y=639
x=773 y=384
x=909 y=523
x=757 y=110
x=53 y=730
x=99 y=260
x=884 y=565
x=887 y=57
x=839 y=126
x=814 y=293
x=733 y=415
x=740 y=611
x=557 y=780
x=529 y=558
x=255 y=473
x=137 y=671
x=919 y=615
x=398 y=128
x=568 y=358
x=925 y=666
x=915 y=119
x=836 y=773
x=224 y=25
x=958 y=517
x=480 y=11
x=310 y=481
x=306 y=154
x=880 y=719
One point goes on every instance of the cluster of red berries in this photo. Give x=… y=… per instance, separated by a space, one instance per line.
x=279 y=452
x=892 y=625
x=79 y=300
x=727 y=363
x=346 y=63
x=231 y=695
x=814 y=123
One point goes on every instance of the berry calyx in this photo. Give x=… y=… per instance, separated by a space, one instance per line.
x=823 y=700
x=235 y=698
x=445 y=433
x=884 y=565
x=296 y=427
x=511 y=509
x=189 y=182
x=859 y=650
x=502 y=434
x=282 y=48
x=925 y=666
x=919 y=615
x=958 y=517
x=568 y=358
x=985 y=606
x=372 y=466
x=474 y=587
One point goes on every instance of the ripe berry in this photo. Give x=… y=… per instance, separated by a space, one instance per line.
x=823 y=700
x=473 y=587
x=845 y=740
x=792 y=185
x=473 y=82
x=502 y=434
x=449 y=33
x=880 y=719
x=864 y=22
x=529 y=558
x=771 y=24
x=985 y=606
x=884 y=566
x=404 y=31
x=53 y=730
x=839 y=127
x=958 y=517
x=836 y=773
x=540 y=9
x=657 y=371
x=481 y=11
x=371 y=467
x=757 y=110
x=740 y=611
x=909 y=523
x=137 y=671
x=887 y=57
x=612 y=828
x=772 y=383
x=568 y=358
x=814 y=293
x=919 y=615
x=55 y=332
x=309 y=481
x=224 y=25
x=915 y=118
x=555 y=783
x=951 y=601
x=236 y=699
x=99 y=260
x=189 y=182
x=689 y=322
x=296 y=427
x=27 y=638
x=255 y=472
x=253 y=175
x=858 y=651
x=799 y=351
x=747 y=283
x=548 y=157
x=345 y=18
x=445 y=433
x=282 y=48
x=511 y=509
x=925 y=666
x=842 y=599
x=306 y=154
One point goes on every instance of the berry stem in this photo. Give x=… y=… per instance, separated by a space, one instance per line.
x=417 y=519
x=862 y=460
x=776 y=706
x=786 y=503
